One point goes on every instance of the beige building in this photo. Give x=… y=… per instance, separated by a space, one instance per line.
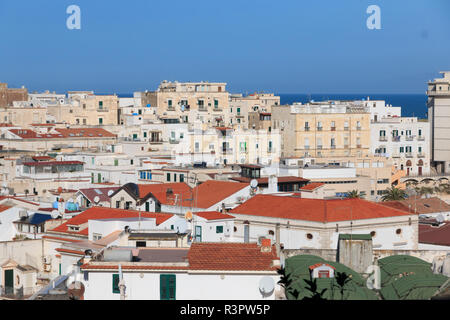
x=23 y=116
x=85 y=108
x=439 y=117
x=241 y=107
x=186 y=101
x=322 y=131
x=9 y=95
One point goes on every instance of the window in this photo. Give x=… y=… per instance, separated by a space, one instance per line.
x=115 y=283
x=181 y=177
x=216 y=103
x=100 y=120
x=174 y=177
x=219 y=229
x=116 y=162
x=145 y=134
x=168 y=177
x=100 y=104
x=96 y=236
x=141 y=243
x=169 y=102
x=167 y=286
x=117 y=204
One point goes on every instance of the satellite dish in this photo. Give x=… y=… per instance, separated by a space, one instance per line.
x=440 y=218
x=54 y=214
x=110 y=192
x=266 y=286
x=96 y=199
x=254 y=183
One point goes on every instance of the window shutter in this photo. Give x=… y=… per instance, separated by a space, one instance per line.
x=115 y=283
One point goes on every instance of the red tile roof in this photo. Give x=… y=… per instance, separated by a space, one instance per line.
x=213 y=215
x=318 y=210
x=62 y=239
x=435 y=235
x=211 y=192
x=420 y=206
x=50 y=163
x=70 y=251
x=312 y=186
x=95 y=213
x=159 y=191
x=319 y=265
x=85 y=132
x=210 y=256
x=42 y=158
x=230 y=256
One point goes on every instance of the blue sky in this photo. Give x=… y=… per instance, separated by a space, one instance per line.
x=285 y=46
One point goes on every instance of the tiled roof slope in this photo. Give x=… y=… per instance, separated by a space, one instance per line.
x=315 y=209
x=230 y=256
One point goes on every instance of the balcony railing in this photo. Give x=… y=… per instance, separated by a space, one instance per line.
x=395 y=155
x=174 y=141
x=333 y=147
x=102 y=110
x=346 y=146
x=359 y=128
x=383 y=138
x=319 y=147
x=421 y=138
x=409 y=154
x=358 y=146
x=227 y=150
x=421 y=155
x=409 y=138
x=396 y=138
x=306 y=147
x=319 y=128
x=333 y=128
x=306 y=128
x=345 y=128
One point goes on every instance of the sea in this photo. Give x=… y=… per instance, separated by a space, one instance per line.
x=413 y=105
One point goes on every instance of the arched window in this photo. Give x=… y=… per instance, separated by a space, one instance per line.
x=408 y=163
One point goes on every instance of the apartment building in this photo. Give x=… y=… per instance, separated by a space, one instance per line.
x=404 y=140
x=241 y=106
x=86 y=108
x=322 y=131
x=186 y=101
x=439 y=116
x=23 y=114
x=223 y=145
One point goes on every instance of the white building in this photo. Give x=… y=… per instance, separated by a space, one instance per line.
x=404 y=140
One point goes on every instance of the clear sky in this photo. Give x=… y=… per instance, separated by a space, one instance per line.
x=284 y=46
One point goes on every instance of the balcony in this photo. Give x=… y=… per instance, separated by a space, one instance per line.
x=395 y=155
x=359 y=128
x=345 y=128
x=438 y=92
x=102 y=110
x=421 y=155
x=396 y=138
x=346 y=146
x=270 y=150
x=227 y=150
x=319 y=147
x=170 y=108
x=306 y=147
x=319 y=128
x=333 y=147
x=333 y=128
x=174 y=141
x=306 y=128
x=202 y=109
x=383 y=138
x=421 y=138
x=358 y=146
x=408 y=154
x=409 y=138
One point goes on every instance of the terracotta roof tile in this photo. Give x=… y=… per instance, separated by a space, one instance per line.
x=312 y=186
x=435 y=235
x=319 y=210
x=213 y=215
x=230 y=256
x=211 y=192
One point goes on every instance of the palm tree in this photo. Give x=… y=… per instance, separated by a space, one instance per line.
x=394 y=194
x=342 y=279
x=353 y=194
x=313 y=287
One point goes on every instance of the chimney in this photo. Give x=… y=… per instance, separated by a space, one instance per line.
x=224 y=211
x=277 y=238
x=266 y=245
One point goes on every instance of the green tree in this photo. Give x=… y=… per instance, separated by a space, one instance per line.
x=316 y=295
x=354 y=194
x=394 y=194
x=341 y=279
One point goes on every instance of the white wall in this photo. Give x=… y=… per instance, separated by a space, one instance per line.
x=146 y=286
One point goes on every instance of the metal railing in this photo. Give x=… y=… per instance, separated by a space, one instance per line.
x=383 y=138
